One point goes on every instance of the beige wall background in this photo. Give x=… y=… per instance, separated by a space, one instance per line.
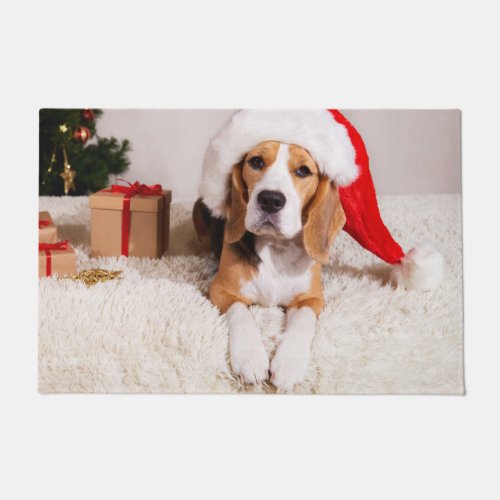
x=411 y=151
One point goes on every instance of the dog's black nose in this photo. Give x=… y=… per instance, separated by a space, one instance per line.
x=271 y=201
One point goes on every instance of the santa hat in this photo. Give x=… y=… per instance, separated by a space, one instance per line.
x=340 y=153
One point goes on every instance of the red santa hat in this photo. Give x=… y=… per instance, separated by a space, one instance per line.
x=340 y=153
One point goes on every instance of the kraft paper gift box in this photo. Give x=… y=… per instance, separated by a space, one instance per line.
x=56 y=258
x=130 y=220
x=47 y=231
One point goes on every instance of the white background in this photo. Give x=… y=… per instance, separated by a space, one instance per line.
x=382 y=54
x=411 y=151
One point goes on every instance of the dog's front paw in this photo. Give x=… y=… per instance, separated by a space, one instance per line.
x=250 y=362
x=290 y=363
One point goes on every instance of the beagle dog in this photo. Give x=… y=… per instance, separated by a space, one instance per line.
x=282 y=216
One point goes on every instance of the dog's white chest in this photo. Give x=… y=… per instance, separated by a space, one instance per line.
x=283 y=273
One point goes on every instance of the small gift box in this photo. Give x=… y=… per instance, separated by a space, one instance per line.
x=47 y=232
x=130 y=220
x=56 y=258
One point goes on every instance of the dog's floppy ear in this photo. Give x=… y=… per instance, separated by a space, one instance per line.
x=324 y=218
x=201 y=219
x=235 y=225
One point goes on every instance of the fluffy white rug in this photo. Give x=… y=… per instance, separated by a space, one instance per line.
x=154 y=331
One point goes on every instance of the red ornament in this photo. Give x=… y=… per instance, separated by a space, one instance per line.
x=88 y=115
x=81 y=134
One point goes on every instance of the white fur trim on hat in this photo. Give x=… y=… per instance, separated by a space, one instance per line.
x=422 y=268
x=315 y=130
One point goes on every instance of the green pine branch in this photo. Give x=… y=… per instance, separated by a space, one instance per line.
x=93 y=162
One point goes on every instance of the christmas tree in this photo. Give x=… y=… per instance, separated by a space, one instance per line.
x=71 y=164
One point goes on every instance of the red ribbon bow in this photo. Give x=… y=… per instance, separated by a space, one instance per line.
x=129 y=191
x=47 y=248
x=43 y=222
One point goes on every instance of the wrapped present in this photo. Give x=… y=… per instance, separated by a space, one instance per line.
x=56 y=258
x=130 y=220
x=47 y=231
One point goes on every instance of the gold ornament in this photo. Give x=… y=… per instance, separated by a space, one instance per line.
x=67 y=174
x=52 y=160
x=68 y=178
x=94 y=276
x=63 y=128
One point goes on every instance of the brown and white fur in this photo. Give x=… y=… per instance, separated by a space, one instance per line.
x=282 y=215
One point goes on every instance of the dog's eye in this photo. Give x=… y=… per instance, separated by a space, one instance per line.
x=256 y=162
x=302 y=171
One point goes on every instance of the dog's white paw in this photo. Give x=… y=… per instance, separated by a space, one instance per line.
x=290 y=363
x=248 y=356
x=250 y=362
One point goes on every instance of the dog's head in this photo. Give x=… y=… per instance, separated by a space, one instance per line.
x=277 y=190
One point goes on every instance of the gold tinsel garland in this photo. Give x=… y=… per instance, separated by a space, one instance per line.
x=94 y=276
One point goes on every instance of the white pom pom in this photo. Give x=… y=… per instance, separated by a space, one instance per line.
x=422 y=268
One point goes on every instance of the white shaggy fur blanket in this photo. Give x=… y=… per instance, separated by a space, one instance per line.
x=155 y=331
